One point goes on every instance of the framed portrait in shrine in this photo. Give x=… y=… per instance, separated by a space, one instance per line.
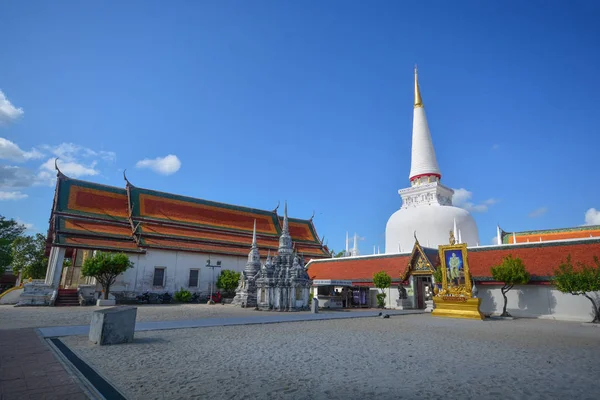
x=455 y=268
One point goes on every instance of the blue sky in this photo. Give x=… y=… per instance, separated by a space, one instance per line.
x=309 y=101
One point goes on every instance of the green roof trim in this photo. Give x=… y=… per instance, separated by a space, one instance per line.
x=64 y=189
x=548 y=243
x=506 y=235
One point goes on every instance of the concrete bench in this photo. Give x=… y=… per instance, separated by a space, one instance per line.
x=113 y=325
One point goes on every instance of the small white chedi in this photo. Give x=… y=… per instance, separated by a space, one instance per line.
x=427 y=209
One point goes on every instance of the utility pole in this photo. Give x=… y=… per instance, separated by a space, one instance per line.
x=208 y=265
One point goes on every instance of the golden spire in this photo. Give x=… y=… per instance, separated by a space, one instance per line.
x=418 y=100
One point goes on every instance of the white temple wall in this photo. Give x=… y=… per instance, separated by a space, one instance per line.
x=536 y=301
x=177 y=265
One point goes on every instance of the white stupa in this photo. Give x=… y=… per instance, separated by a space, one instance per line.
x=427 y=210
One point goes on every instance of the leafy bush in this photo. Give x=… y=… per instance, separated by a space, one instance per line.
x=381 y=300
x=228 y=280
x=183 y=296
x=437 y=275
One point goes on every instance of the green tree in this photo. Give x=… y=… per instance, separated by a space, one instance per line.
x=106 y=267
x=9 y=231
x=338 y=254
x=437 y=275
x=228 y=280
x=511 y=272
x=28 y=256
x=583 y=281
x=382 y=281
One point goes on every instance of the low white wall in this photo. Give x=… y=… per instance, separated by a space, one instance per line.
x=177 y=266
x=12 y=297
x=536 y=301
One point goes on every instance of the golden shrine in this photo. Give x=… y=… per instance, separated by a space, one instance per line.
x=455 y=298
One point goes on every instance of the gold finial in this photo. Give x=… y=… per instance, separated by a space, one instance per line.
x=418 y=100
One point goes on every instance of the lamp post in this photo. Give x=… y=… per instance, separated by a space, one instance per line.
x=208 y=265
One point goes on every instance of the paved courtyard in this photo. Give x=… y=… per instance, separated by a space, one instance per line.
x=33 y=317
x=410 y=356
x=405 y=356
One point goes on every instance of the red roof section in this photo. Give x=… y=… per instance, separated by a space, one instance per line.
x=361 y=268
x=540 y=259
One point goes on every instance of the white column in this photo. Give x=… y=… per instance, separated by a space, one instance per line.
x=55 y=263
x=499 y=237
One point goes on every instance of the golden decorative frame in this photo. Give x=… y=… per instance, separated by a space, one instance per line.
x=460 y=290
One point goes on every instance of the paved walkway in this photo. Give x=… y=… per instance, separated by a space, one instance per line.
x=266 y=318
x=30 y=370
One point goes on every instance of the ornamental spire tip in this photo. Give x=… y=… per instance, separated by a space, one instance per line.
x=418 y=99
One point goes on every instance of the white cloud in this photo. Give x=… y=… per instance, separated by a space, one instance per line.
x=4 y=196
x=494 y=240
x=69 y=168
x=163 y=165
x=8 y=112
x=538 y=212
x=10 y=151
x=28 y=226
x=462 y=198
x=592 y=217
x=70 y=152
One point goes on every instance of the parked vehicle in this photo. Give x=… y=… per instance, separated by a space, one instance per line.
x=199 y=298
x=216 y=297
x=165 y=298
x=143 y=298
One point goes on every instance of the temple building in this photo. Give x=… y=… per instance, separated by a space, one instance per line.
x=427 y=220
x=168 y=237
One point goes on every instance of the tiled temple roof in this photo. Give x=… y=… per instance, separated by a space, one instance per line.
x=578 y=232
x=91 y=215
x=540 y=259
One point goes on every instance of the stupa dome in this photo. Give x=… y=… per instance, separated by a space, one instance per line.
x=431 y=224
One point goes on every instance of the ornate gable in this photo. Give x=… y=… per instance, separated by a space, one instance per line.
x=420 y=262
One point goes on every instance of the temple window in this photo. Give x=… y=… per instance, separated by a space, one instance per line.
x=193 y=282
x=159 y=276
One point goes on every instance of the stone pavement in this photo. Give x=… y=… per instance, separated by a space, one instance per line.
x=30 y=370
x=259 y=318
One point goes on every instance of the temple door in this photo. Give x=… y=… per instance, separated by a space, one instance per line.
x=420 y=294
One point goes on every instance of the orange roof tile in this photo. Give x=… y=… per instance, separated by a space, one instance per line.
x=540 y=259
x=360 y=268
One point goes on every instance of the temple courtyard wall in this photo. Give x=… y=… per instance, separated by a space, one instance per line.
x=537 y=301
x=525 y=301
x=177 y=266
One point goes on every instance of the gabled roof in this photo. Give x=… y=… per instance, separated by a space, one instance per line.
x=86 y=214
x=578 y=232
x=540 y=259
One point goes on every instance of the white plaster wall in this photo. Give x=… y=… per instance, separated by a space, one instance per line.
x=177 y=266
x=535 y=301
